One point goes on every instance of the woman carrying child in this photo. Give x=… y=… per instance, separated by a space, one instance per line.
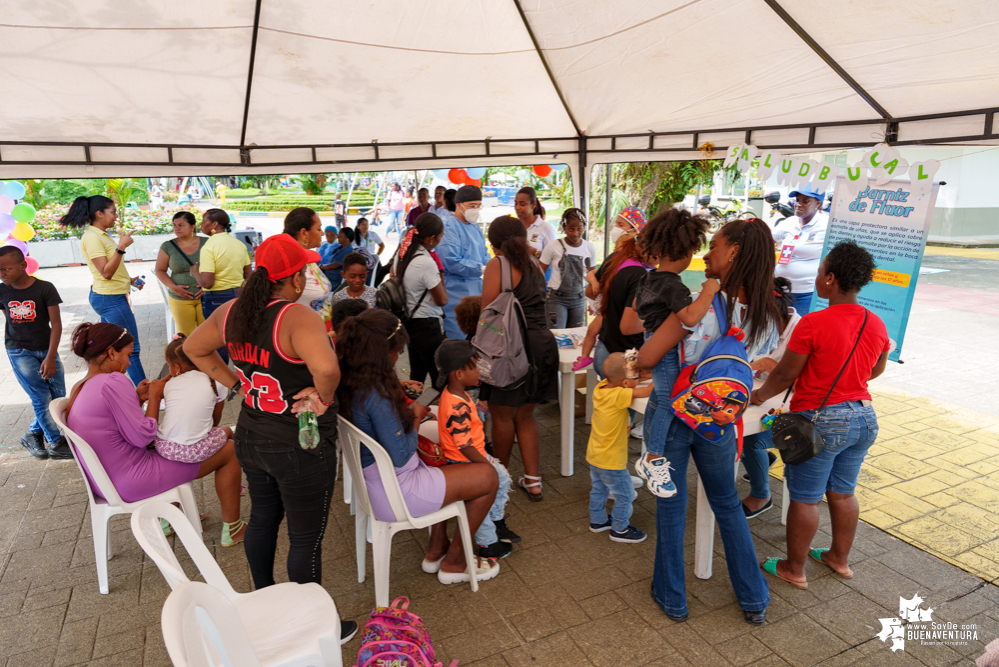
x=570 y=259
x=372 y=398
x=741 y=259
x=512 y=410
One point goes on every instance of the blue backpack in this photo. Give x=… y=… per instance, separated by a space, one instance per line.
x=711 y=396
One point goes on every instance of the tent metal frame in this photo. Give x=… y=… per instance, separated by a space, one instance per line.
x=584 y=145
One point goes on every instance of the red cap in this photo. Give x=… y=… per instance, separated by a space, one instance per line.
x=282 y=256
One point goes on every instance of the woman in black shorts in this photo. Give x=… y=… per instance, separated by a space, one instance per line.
x=512 y=410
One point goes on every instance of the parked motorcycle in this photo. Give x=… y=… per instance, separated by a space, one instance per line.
x=718 y=216
x=777 y=208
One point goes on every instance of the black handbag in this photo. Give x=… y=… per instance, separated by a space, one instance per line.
x=794 y=435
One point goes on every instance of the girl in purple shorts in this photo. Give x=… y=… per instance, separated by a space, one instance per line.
x=372 y=398
x=189 y=431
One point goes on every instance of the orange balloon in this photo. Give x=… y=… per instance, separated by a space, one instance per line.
x=542 y=170
x=477 y=182
x=457 y=176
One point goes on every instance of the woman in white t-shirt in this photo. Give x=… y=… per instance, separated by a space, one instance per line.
x=799 y=241
x=189 y=430
x=303 y=225
x=530 y=212
x=570 y=259
x=755 y=456
x=425 y=294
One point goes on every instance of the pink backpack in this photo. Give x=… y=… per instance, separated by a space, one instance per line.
x=394 y=637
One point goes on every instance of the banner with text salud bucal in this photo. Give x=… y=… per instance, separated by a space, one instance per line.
x=891 y=221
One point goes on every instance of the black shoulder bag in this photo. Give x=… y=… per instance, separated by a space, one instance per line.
x=794 y=435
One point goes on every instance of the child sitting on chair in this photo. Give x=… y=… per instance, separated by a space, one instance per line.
x=463 y=440
x=607 y=452
x=189 y=430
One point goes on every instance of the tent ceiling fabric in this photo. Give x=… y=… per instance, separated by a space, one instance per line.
x=166 y=83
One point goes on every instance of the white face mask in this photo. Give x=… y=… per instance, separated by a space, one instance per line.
x=471 y=215
x=616 y=234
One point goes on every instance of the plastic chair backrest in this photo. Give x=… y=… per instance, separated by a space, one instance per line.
x=352 y=452
x=149 y=534
x=85 y=457
x=198 y=620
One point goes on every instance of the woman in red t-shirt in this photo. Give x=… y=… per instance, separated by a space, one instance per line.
x=819 y=349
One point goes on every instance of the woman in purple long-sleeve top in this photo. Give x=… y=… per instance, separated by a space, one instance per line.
x=106 y=412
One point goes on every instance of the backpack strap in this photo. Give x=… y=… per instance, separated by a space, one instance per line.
x=721 y=312
x=506 y=274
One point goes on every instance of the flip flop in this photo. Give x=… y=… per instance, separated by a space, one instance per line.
x=816 y=555
x=770 y=567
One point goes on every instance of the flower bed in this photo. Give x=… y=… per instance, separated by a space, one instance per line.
x=135 y=222
x=284 y=202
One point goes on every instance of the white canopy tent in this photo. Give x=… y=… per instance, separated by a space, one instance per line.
x=94 y=88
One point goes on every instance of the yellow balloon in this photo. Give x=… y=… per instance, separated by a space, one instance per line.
x=23 y=232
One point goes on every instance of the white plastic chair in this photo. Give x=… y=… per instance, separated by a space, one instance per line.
x=171 y=326
x=201 y=628
x=287 y=624
x=102 y=509
x=382 y=531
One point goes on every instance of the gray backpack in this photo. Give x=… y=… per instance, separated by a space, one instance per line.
x=499 y=338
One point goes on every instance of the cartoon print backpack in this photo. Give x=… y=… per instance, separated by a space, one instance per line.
x=504 y=361
x=395 y=637
x=711 y=396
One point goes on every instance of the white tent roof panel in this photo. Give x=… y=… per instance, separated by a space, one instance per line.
x=169 y=85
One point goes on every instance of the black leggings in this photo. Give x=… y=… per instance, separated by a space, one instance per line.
x=284 y=479
x=425 y=336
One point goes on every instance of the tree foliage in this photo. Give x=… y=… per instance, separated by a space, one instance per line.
x=312 y=184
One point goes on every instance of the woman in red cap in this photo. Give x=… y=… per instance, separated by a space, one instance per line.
x=285 y=364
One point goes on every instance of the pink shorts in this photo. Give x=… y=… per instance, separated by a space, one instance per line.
x=422 y=487
x=200 y=451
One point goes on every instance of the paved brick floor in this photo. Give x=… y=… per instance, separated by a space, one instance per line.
x=565 y=596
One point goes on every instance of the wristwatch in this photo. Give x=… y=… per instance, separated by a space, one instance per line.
x=119 y=251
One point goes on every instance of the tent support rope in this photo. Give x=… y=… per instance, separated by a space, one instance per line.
x=548 y=69
x=836 y=67
x=249 y=75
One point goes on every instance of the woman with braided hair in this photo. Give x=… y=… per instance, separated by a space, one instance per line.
x=741 y=259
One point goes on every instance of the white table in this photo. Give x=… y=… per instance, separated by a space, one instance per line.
x=567 y=396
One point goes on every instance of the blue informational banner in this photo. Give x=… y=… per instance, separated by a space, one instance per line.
x=891 y=221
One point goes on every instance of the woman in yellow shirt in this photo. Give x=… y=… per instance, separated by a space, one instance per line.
x=224 y=265
x=109 y=293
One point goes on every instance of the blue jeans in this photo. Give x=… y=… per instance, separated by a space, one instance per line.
x=26 y=365
x=600 y=355
x=565 y=310
x=715 y=463
x=802 y=302
x=602 y=483
x=657 y=412
x=754 y=457
x=396 y=220
x=848 y=430
x=210 y=301
x=114 y=308
x=486 y=534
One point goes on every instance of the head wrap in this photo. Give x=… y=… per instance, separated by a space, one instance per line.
x=635 y=217
x=330 y=228
x=407 y=240
x=467 y=193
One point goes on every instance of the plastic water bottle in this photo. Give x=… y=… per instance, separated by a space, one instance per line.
x=308 y=429
x=140 y=281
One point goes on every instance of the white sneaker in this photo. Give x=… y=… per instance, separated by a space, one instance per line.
x=485 y=569
x=638 y=430
x=656 y=474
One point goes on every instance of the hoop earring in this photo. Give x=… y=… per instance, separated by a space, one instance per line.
x=298 y=290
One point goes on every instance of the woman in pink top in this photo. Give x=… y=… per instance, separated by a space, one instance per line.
x=397 y=206
x=106 y=411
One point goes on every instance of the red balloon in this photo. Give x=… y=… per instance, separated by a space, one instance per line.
x=542 y=170
x=457 y=176
x=477 y=182
x=32 y=264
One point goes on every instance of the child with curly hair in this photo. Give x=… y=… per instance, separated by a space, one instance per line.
x=467 y=314
x=669 y=241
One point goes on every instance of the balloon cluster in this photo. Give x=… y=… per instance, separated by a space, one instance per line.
x=15 y=220
x=473 y=175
